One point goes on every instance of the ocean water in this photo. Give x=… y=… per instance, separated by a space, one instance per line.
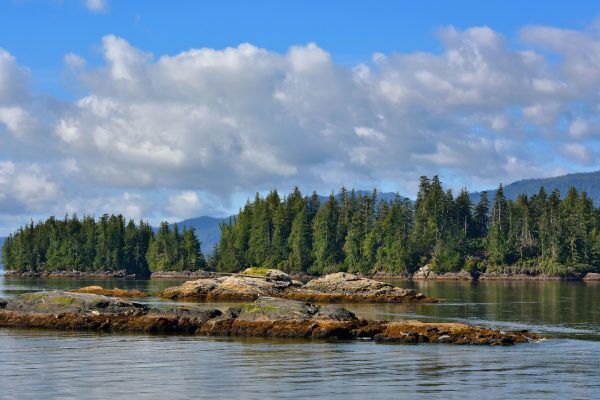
x=72 y=365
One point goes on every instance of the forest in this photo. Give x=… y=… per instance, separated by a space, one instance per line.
x=108 y=244
x=351 y=231
x=543 y=233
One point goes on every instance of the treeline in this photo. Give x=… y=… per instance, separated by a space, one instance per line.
x=108 y=244
x=356 y=232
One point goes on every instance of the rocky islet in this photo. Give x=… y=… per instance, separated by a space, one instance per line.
x=265 y=317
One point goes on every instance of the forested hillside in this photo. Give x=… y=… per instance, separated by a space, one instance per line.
x=356 y=232
x=555 y=233
x=107 y=244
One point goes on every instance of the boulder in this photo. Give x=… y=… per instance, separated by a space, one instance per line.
x=268 y=273
x=591 y=277
x=345 y=287
x=191 y=290
x=248 y=285
x=426 y=273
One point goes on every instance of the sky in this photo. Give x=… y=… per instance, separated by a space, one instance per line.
x=176 y=109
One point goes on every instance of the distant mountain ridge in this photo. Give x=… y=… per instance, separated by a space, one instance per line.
x=588 y=182
x=207 y=228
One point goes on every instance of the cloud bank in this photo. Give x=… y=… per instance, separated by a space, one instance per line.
x=180 y=135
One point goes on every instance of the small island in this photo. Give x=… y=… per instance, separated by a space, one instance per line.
x=266 y=317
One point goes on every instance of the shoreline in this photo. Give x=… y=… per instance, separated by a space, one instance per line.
x=462 y=276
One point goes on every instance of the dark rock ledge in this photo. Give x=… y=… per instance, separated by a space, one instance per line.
x=266 y=317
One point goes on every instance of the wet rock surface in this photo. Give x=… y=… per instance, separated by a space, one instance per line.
x=255 y=282
x=111 y=292
x=266 y=317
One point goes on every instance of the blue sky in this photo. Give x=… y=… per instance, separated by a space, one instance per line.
x=169 y=110
x=40 y=32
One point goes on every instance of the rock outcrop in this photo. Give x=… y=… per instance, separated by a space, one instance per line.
x=248 y=285
x=345 y=287
x=591 y=277
x=111 y=292
x=426 y=273
x=255 y=282
x=266 y=317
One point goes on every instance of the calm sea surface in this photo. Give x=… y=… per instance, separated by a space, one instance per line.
x=46 y=364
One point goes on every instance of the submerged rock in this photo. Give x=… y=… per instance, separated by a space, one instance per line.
x=266 y=317
x=255 y=282
x=111 y=292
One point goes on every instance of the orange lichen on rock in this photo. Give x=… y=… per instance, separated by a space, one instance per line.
x=111 y=292
x=455 y=333
x=266 y=317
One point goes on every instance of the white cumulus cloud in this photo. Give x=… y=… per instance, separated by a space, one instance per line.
x=178 y=135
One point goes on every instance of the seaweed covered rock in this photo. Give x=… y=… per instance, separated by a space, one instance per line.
x=345 y=287
x=111 y=292
x=451 y=333
x=275 y=317
x=266 y=317
x=67 y=302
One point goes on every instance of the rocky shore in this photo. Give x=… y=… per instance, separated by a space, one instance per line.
x=256 y=282
x=423 y=274
x=122 y=274
x=183 y=274
x=265 y=317
x=426 y=274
